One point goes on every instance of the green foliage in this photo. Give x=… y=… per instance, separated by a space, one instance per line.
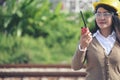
x=32 y=33
x=10 y=50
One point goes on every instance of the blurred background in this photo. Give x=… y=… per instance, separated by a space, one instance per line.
x=41 y=31
x=39 y=37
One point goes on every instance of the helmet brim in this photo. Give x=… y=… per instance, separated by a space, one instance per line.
x=95 y=4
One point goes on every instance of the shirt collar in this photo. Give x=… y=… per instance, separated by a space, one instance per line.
x=98 y=33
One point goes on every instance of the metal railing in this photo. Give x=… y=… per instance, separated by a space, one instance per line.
x=23 y=70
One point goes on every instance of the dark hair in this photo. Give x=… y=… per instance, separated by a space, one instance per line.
x=115 y=20
x=109 y=8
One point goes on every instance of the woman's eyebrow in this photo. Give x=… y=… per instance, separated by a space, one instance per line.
x=102 y=12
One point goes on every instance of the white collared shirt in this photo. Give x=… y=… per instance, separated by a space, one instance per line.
x=106 y=43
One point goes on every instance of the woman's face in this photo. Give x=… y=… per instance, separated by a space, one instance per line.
x=103 y=18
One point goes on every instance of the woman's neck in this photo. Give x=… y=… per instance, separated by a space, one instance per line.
x=105 y=33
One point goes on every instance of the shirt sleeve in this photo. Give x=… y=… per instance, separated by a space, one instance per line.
x=81 y=48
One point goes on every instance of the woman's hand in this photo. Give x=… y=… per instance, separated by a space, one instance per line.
x=86 y=38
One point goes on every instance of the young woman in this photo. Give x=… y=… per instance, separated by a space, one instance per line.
x=101 y=49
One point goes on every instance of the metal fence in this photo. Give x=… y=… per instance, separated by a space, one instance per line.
x=40 y=72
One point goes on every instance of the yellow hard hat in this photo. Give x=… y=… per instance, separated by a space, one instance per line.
x=113 y=3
